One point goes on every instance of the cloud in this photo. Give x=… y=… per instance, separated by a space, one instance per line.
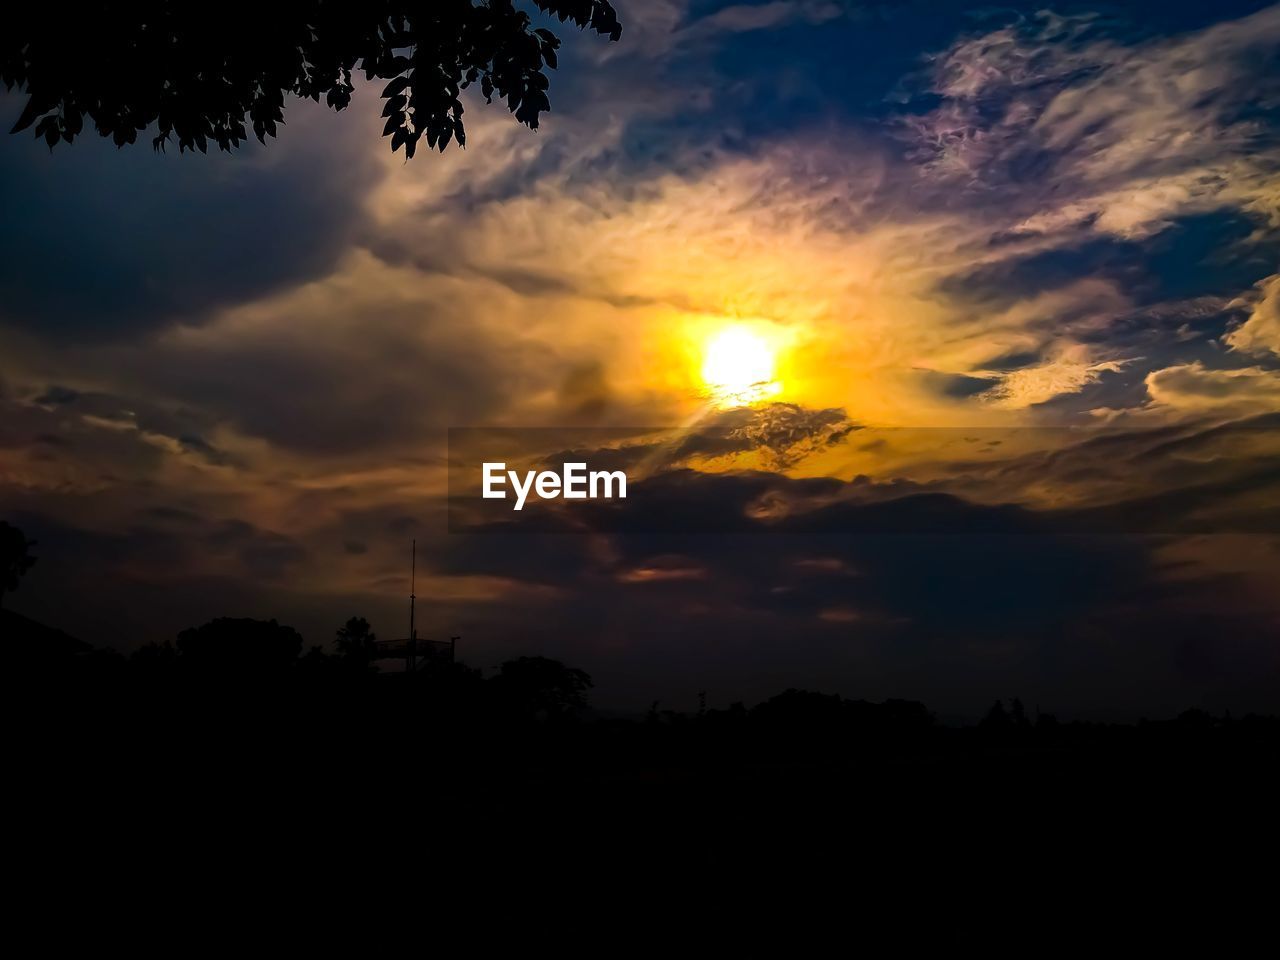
x=108 y=244
x=894 y=583
x=1261 y=332
x=1103 y=135
x=1070 y=371
x=741 y=18
x=1193 y=387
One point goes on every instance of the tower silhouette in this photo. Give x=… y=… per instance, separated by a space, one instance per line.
x=409 y=648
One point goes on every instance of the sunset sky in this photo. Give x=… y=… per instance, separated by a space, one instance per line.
x=979 y=271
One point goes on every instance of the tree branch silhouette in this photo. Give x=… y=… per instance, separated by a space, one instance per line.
x=15 y=557
x=208 y=75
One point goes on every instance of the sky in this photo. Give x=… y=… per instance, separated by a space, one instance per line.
x=1013 y=273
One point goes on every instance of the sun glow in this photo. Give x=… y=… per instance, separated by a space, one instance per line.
x=738 y=367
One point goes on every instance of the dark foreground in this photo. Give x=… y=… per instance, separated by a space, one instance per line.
x=172 y=763
x=415 y=754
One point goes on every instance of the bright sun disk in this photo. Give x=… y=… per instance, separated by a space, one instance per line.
x=738 y=366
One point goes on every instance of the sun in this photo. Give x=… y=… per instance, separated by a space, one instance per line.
x=738 y=367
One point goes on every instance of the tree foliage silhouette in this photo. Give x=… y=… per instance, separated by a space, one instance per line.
x=355 y=641
x=535 y=685
x=198 y=72
x=244 y=647
x=15 y=557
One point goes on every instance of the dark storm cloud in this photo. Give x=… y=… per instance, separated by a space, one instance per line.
x=107 y=243
x=83 y=452
x=58 y=396
x=165 y=540
x=169 y=570
x=341 y=383
x=1164 y=458
x=958 y=385
x=915 y=579
x=75 y=411
x=262 y=555
x=976 y=607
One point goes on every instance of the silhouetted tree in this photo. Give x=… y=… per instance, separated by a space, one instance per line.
x=1196 y=719
x=997 y=719
x=800 y=709
x=15 y=557
x=245 y=647
x=542 y=685
x=198 y=72
x=316 y=663
x=355 y=641
x=154 y=659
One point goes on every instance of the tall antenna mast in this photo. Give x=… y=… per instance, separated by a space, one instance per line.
x=410 y=660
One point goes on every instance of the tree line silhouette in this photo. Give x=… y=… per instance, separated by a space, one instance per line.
x=238 y=730
x=236 y=742
x=267 y=656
